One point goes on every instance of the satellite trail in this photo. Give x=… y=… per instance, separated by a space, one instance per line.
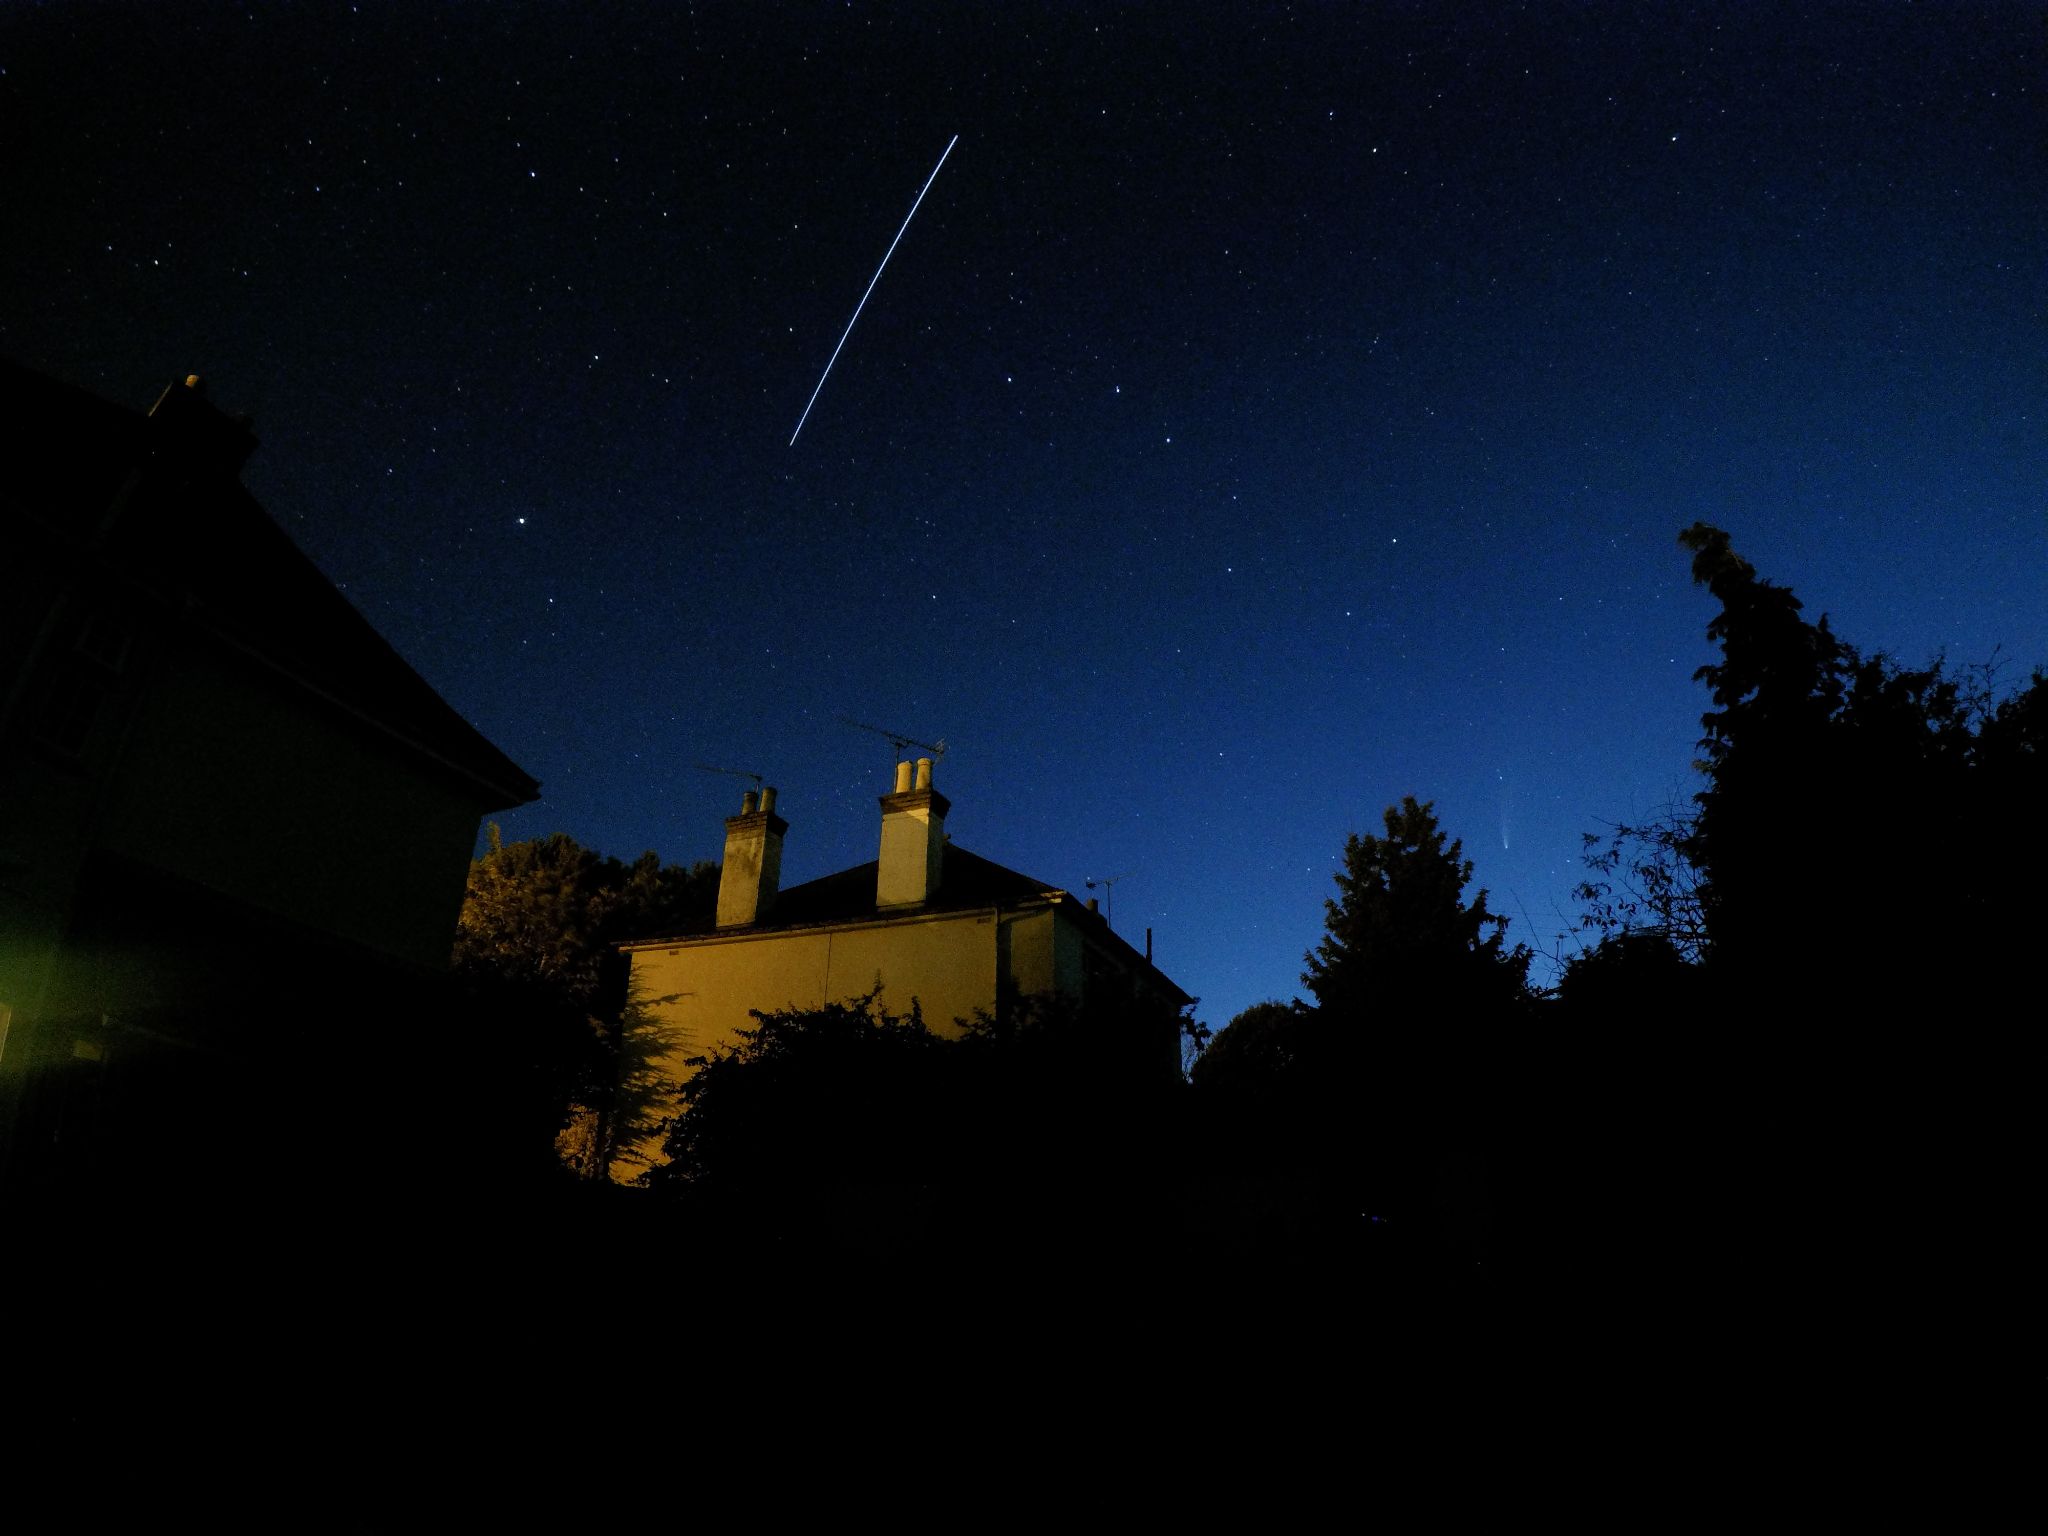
x=863 y=304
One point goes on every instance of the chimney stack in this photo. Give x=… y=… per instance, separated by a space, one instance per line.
x=913 y=839
x=753 y=862
x=189 y=432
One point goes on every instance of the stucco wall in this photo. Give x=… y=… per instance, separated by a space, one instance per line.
x=1030 y=942
x=703 y=991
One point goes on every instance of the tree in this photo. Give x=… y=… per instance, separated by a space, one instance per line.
x=809 y=1098
x=1249 y=1094
x=1644 y=882
x=1399 y=1066
x=538 y=940
x=1051 y=1127
x=550 y=913
x=1401 y=934
x=1870 y=837
x=1254 y=1053
x=1864 y=825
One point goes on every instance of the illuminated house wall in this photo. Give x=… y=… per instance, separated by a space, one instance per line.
x=234 y=824
x=927 y=921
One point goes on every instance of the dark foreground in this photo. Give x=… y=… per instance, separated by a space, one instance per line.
x=358 y=1357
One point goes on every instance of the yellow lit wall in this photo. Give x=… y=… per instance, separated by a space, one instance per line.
x=703 y=990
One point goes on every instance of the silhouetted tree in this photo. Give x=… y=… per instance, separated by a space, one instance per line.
x=1045 y=1133
x=1130 y=1043
x=1259 y=1147
x=1400 y=932
x=1416 y=989
x=808 y=1101
x=1074 y=1126
x=1862 y=822
x=1869 y=837
x=1638 y=975
x=1254 y=1053
x=1642 y=881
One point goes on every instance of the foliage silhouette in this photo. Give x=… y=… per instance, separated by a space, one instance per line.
x=1833 y=777
x=1377 y=1104
x=808 y=1099
x=1867 y=846
x=1074 y=1129
x=1400 y=930
x=1254 y=1053
x=1262 y=1147
x=1642 y=880
x=1639 y=972
x=1044 y=1131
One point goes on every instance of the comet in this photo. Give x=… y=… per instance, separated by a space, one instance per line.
x=863 y=304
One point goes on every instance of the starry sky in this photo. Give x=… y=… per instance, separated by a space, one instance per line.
x=1272 y=410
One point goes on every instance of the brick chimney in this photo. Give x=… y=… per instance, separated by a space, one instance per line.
x=913 y=839
x=753 y=862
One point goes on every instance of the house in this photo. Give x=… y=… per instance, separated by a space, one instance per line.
x=926 y=921
x=234 y=823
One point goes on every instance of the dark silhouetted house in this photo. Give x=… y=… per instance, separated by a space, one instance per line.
x=234 y=824
x=926 y=921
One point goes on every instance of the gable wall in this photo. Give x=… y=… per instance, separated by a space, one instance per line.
x=233 y=778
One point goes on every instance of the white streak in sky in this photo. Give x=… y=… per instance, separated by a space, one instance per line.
x=863 y=304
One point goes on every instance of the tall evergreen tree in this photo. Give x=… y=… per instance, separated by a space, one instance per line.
x=1399 y=1071
x=1400 y=932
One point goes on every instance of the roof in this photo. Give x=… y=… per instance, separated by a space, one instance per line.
x=186 y=528
x=966 y=881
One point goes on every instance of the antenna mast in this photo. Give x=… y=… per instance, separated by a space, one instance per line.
x=1108 y=884
x=936 y=748
x=731 y=773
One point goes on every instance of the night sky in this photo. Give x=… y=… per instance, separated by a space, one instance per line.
x=1271 y=411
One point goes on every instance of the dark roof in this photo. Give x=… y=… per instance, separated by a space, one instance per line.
x=966 y=880
x=188 y=530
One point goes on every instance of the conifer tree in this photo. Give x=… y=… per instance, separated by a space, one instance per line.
x=1400 y=931
x=1399 y=1070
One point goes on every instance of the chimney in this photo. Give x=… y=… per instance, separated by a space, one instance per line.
x=913 y=839
x=753 y=862
x=188 y=430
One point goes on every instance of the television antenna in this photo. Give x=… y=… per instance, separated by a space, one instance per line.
x=1108 y=884
x=731 y=773
x=936 y=748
